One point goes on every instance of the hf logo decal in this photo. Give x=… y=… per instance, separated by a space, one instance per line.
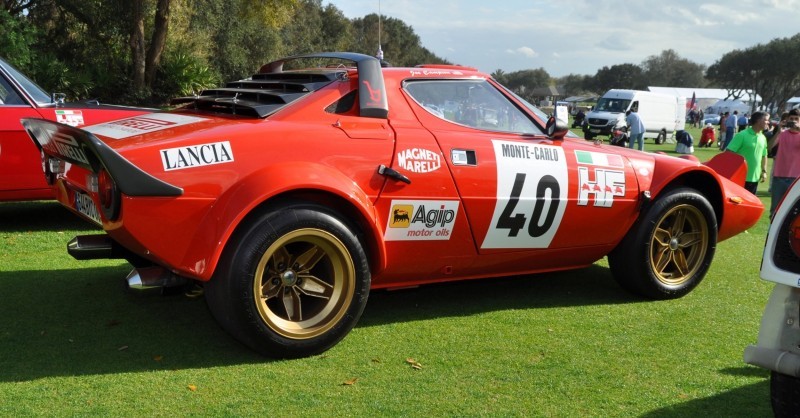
x=606 y=185
x=411 y=220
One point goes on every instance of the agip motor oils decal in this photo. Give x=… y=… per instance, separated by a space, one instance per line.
x=414 y=220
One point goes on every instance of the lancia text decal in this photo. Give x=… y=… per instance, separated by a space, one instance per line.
x=419 y=160
x=69 y=117
x=196 y=155
x=142 y=124
x=421 y=220
x=606 y=185
x=532 y=186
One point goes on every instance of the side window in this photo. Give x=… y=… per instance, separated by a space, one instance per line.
x=345 y=105
x=473 y=103
x=7 y=94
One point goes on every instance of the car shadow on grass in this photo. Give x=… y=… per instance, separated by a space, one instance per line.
x=83 y=321
x=592 y=285
x=40 y=216
x=746 y=401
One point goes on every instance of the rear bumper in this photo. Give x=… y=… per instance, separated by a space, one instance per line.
x=100 y=246
x=778 y=347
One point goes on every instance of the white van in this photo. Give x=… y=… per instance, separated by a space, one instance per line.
x=662 y=114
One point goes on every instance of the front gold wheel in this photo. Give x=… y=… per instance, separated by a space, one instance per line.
x=679 y=244
x=304 y=283
x=668 y=251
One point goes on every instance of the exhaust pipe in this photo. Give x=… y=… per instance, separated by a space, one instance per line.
x=153 y=277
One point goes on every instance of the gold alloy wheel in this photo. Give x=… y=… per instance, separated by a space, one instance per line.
x=679 y=244
x=304 y=283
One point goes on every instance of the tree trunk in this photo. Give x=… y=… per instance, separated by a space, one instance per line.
x=158 y=41
x=137 y=44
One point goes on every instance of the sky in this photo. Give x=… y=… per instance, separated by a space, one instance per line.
x=581 y=36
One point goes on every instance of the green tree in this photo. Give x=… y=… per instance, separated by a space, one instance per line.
x=401 y=46
x=523 y=82
x=670 y=70
x=574 y=84
x=620 y=76
x=768 y=70
x=16 y=39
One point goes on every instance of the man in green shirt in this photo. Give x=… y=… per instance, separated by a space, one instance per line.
x=752 y=145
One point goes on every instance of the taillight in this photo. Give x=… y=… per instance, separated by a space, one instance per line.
x=108 y=195
x=51 y=167
x=794 y=235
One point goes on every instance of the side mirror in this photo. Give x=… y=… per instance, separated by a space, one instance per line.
x=556 y=128
x=59 y=98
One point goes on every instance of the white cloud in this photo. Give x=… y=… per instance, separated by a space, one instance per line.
x=581 y=36
x=524 y=50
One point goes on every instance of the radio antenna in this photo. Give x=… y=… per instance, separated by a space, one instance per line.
x=379 y=54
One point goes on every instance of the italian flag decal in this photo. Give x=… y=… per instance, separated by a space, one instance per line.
x=599 y=158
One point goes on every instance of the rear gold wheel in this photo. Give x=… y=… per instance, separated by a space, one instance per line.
x=304 y=283
x=292 y=281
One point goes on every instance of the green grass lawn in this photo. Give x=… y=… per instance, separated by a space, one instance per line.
x=73 y=342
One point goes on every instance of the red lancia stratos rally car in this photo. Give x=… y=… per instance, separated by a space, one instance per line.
x=20 y=161
x=293 y=193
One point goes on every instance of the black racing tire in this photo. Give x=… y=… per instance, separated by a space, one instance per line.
x=588 y=135
x=784 y=393
x=292 y=282
x=661 y=138
x=669 y=249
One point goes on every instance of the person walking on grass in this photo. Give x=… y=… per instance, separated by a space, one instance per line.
x=752 y=145
x=636 y=128
x=730 y=128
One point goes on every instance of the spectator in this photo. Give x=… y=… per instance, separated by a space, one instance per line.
x=772 y=134
x=684 y=142
x=787 y=158
x=743 y=122
x=707 y=136
x=722 y=119
x=636 y=129
x=752 y=145
x=693 y=118
x=730 y=128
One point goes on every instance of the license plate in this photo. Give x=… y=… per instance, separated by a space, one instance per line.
x=596 y=131
x=85 y=205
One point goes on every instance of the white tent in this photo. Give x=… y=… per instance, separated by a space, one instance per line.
x=723 y=106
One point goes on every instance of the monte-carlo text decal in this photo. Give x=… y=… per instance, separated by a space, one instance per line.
x=532 y=186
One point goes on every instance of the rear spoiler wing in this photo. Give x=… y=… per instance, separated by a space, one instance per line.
x=83 y=149
x=371 y=88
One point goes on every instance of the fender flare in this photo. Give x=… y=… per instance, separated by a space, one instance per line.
x=250 y=193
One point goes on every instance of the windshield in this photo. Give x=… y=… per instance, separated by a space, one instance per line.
x=538 y=112
x=32 y=89
x=606 y=104
x=470 y=102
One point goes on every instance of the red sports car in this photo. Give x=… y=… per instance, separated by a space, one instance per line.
x=291 y=194
x=20 y=160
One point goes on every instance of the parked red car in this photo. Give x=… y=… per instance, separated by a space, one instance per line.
x=293 y=193
x=20 y=160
